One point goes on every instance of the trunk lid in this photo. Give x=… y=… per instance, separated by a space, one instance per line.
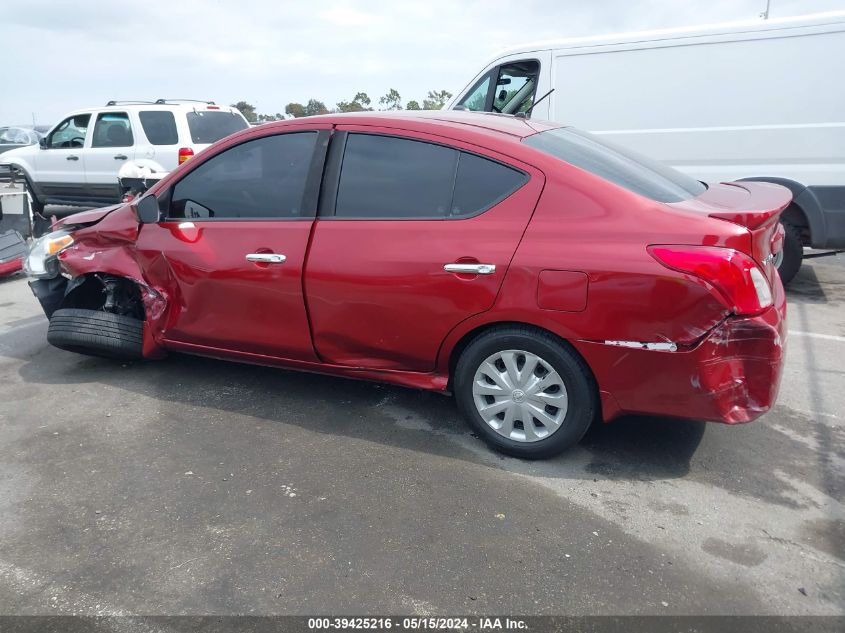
x=756 y=206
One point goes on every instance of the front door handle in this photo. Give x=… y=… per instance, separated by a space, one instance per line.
x=120 y=157
x=73 y=157
x=470 y=269
x=266 y=258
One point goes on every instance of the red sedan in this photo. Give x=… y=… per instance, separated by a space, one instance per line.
x=541 y=275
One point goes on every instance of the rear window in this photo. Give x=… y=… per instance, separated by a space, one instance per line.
x=211 y=126
x=619 y=165
x=159 y=126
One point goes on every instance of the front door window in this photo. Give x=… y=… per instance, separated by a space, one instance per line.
x=70 y=133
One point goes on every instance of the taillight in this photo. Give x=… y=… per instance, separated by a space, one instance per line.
x=184 y=154
x=735 y=275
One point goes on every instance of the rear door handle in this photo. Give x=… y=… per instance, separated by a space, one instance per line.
x=73 y=157
x=266 y=258
x=120 y=157
x=471 y=269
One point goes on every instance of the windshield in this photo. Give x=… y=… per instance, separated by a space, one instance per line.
x=619 y=165
x=208 y=127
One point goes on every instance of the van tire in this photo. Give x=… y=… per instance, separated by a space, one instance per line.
x=97 y=333
x=793 y=252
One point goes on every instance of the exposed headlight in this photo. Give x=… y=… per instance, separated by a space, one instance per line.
x=42 y=261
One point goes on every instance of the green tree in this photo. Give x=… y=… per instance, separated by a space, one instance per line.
x=295 y=110
x=358 y=104
x=314 y=107
x=413 y=105
x=436 y=99
x=391 y=101
x=247 y=109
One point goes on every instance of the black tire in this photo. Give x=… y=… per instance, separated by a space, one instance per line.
x=34 y=202
x=96 y=333
x=583 y=404
x=793 y=252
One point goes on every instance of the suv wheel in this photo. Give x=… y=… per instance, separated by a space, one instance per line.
x=524 y=392
x=36 y=205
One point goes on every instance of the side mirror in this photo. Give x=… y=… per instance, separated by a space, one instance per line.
x=147 y=210
x=42 y=142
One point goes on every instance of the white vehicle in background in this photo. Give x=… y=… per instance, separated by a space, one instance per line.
x=761 y=100
x=78 y=161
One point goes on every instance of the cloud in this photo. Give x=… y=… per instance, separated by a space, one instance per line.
x=65 y=56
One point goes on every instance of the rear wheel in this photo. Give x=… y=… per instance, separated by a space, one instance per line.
x=788 y=261
x=96 y=333
x=524 y=392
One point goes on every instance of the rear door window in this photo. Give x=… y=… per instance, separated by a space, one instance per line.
x=159 y=127
x=112 y=130
x=621 y=166
x=388 y=177
x=263 y=178
x=384 y=177
x=209 y=126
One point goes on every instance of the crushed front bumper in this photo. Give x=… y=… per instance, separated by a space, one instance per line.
x=49 y=293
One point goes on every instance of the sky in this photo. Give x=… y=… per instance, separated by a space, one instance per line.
x=62 y=55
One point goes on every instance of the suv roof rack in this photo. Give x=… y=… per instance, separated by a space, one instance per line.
x=157 y=102
x=131 y=102
x=162 y=101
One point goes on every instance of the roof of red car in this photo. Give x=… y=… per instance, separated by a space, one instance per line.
x=457 y=119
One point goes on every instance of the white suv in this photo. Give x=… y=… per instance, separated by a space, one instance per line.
x=77 y=162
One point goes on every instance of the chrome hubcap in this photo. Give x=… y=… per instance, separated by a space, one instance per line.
x=519 y=395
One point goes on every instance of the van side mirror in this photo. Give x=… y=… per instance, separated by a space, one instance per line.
x=147 y=210
x=42 y=142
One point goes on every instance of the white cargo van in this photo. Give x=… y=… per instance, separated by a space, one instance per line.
x=761 y=100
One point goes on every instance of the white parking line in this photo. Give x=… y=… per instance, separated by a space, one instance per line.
x=826 y=337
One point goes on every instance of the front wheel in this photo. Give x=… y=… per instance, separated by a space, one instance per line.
x=524 y=392
x=36 y=205
x=97 y=333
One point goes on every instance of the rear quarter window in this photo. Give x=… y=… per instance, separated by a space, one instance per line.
x=481 y=183
x=211 y=126
x=621 y=166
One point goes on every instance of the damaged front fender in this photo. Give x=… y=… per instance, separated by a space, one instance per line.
x=102 y=250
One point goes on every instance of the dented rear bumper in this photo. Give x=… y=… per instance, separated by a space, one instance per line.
x=732 y=375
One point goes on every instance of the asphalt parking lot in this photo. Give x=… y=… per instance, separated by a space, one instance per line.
x=200 y=486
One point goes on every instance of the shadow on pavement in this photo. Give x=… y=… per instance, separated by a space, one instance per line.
x=632 y=447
